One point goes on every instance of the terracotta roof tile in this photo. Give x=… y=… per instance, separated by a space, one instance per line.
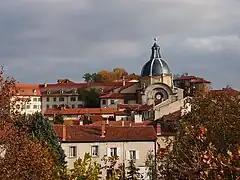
x=229 y=91
x=119 y=96
x=80 y=111
x=134 y=107
x=28 y=89
x=120 y=123
x=88 y=133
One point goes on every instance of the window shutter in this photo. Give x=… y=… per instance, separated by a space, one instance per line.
x=108 y=151
x=118 y=152
x=127 y=155
x=137 y=154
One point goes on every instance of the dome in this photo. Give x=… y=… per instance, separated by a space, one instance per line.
x=156 y=66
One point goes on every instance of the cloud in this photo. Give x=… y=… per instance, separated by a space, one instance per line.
x=42 y=40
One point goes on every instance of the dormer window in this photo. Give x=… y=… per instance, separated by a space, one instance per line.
x=34 y=91
x=48 y=92
x=74 y=91
x=61 y=91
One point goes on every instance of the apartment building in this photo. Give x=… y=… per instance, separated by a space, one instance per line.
x=28 y=98
x=125 y=142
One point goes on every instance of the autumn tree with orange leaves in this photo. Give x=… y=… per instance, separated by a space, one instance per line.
x=117 y=74
x=207 y=144
x=21 y=155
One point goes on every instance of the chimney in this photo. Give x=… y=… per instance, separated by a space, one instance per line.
x=81 y=122
x=103 y=129
x=122 y=123
x=124 y=81
x=159 y=129
x=64 y=132
x=45 y=84
x=107 y=121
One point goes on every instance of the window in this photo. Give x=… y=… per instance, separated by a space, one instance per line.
x=79 y=99
x=35 y=99
x=34 y=106
x=132 y=154
x=104 y=102
x=113 y=151
x=73 y=99
x=28 y=106
x=39 y=99
x=54 y=106
x=112 y=101
x=72 y=151
x=61 y=98
x=47 y=106
x=23 y=106
x=125 y=101
x=54 y=99
x=47 y=99
x=73 y=106
x=80 y=105
x=94 y=150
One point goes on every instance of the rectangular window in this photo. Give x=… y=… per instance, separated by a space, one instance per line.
x=61 y=98
x=28 y=106
x=113 y=151
x=104 y=102
x=34 y=106
x=73 y=106
x=112 y=101
x=39 y=99
x=80 y=105
x=47 y=106
x=125 y=101
x=132 y=155
x=35 y=99
x=79 y=99
x=54 y=99
x=47 y=99
x=55 y=106
x=94 y=150
x=73 y=99
x=72 y=151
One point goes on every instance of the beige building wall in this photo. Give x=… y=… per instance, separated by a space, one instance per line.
x=131 y=89
x=111 y=103
x=123 y=149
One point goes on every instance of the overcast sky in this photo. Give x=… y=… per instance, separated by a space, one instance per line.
x=44 y=40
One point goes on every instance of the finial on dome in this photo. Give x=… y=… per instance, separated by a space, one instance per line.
x=155 y=39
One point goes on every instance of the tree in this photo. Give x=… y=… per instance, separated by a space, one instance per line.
x=22 y=156
x=90 y=97
x=85 y=169
x=207 y=144
x=87 y=77
x=133 y=171
x=58 y=119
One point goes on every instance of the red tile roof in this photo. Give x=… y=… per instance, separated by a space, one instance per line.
x=119 y=96
x=86 y=133
x=229 y=91
x=193 y=79
x=28 y=89
x=135 y=107
x=80 y=111
x=120 y=123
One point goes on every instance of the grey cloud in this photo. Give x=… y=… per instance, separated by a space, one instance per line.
x=47 y=39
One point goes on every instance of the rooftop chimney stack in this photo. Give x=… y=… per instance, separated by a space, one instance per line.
x=122 y=123
x=64 y=132
x=159 y=129
x=103 y=129
x=124 y=81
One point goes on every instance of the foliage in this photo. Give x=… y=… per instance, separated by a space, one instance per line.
x=22 y=157
x=114 y=172
x=133 y=171
x=85 y=169
x=90 y=98
x=94 y=77
x=207 y=145
x=109 y=76
x=58 y=119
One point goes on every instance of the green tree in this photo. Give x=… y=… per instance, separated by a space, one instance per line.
x=96 y=77
x=207 y=144
x=58 y=119
x=85 y=169
x=87 y=77
x=41 y=129
x=133 y=171
x=90 y=98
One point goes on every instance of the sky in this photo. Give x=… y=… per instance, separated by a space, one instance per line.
x=45 y=40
